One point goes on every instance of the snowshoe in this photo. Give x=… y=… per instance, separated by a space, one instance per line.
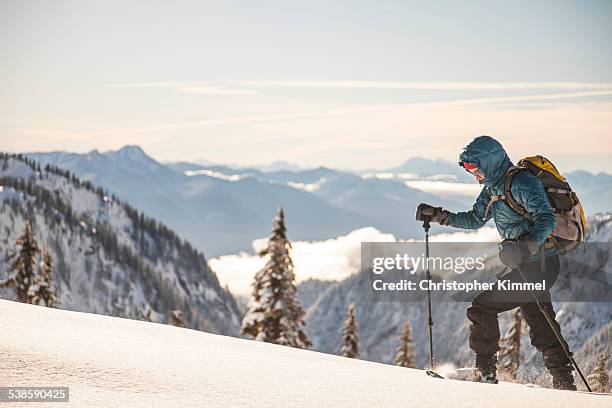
x=487 y=379
x=433 y=374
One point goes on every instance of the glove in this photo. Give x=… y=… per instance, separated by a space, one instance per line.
x=426 y=212
x=512 y=253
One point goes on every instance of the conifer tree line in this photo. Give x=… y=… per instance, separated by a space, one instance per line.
x=155 y=243
x=350 y=335
x=30 y=283
x=404 y=356
x=175 y=318
x=43 y=289
x=141 y=223
x=275 y=314
x=509 y=356
x=35 y=286
x=599 y=379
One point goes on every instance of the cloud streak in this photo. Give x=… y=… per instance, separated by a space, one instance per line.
x=433 y=86
x=195 y=87
x=529 y=98
x=238 y=87
x=252 y=119
x=444 y=188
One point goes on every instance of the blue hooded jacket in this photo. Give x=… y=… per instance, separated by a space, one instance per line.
x=491 y=158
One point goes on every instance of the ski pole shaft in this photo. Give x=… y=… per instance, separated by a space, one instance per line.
x=551 y=323
x=430 y=322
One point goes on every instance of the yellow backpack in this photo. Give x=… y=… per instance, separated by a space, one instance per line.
x=571 y=223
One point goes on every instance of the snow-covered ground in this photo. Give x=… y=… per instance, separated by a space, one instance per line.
x=112 y=362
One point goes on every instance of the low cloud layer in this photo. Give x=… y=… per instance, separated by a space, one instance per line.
x=444 y=188
x=333 y=259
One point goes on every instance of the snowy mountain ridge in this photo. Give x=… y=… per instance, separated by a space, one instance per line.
x=239 y=202
x=218 y=215
x=109 y=258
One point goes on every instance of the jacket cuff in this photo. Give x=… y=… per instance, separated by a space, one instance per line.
x=445 y=217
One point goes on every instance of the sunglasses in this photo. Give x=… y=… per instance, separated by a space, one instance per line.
x=477 y=173
x=472 y=169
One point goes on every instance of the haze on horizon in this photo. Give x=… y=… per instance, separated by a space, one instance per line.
x=350 y=85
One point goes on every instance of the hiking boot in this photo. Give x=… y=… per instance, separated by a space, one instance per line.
x=485 y=369
x=562 y=378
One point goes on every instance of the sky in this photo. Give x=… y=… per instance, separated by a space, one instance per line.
x=345 y=84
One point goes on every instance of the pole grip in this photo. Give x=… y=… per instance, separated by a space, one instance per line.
x=426 y=224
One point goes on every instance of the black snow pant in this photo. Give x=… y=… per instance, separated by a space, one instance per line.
x=484 y=328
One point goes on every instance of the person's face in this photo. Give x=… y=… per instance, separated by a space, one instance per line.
x=478 y=175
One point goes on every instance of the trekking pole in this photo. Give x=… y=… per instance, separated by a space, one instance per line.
x=430 y=322
x=426 y=219
x=564 y=345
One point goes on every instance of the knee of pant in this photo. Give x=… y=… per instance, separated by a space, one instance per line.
x=543 y=338
x=531 y=312
x=474 y=312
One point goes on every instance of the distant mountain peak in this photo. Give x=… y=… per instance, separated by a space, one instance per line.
x=278 y=165
x=131 y=152
x=430 y=167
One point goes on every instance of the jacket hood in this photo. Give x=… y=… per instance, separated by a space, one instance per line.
x=490 y=157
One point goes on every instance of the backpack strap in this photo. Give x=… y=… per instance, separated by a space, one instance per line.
x=559 y=190
x=492 y=200
x=516 y=207
x=507 y=196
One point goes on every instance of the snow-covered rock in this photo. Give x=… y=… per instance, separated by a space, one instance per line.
x=107 y=361
x=599 y=228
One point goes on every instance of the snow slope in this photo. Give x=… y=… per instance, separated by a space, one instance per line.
x=113 y=362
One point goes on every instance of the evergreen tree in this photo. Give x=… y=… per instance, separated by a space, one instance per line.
x=42 y=287
x=175 y=318
x=404 y=355
x=599 y=379
x=510 y=353
x=275 y=314
x=23 y=266
x=350 y=338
